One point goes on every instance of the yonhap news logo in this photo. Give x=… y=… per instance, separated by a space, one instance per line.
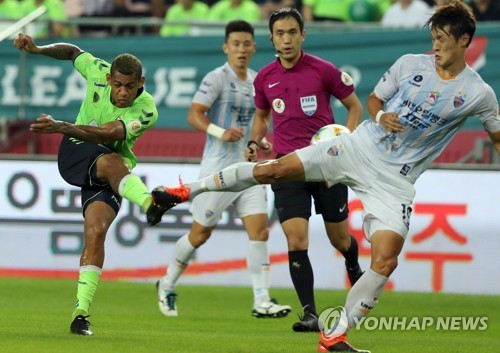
x=334 y=321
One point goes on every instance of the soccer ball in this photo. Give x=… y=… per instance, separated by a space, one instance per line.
x=328 y=132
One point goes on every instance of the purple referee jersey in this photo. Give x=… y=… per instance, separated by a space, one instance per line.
x=300 y=98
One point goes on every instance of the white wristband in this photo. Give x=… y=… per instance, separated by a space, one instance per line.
x=215 y=131
x=377 y=117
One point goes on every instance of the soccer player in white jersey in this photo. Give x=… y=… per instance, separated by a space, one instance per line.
x=223 y=107
x=416 y=108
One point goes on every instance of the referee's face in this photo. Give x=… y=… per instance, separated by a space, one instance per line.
x=124 y=88
x=287 y=40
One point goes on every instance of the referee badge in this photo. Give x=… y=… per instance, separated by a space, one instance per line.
x=278 y=105
x=309 y=104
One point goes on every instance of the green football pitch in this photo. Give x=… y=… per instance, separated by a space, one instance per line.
x=35 y=317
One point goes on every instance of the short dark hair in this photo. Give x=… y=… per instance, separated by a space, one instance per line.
x=458 y=16
x=283 y=13
x=238 y=26
x=127 y=64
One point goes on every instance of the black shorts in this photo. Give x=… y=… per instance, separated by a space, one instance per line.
x=77 y=166
x=292 y=199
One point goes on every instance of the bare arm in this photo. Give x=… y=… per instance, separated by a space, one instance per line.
x=60 y=51
x=109 y=132
x=495 y=138
x=260 y=127
x=354 y=109
x=389 y=120
x=198 y=119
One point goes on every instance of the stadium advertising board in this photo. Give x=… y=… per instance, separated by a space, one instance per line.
x=452 y=245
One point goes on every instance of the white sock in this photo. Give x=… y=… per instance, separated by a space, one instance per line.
x=236 y=177
x=258 y=266
x=364 y=295
x=183 y=251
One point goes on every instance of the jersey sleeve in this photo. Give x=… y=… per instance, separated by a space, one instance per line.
x=489 y=113
x=88 y=65
x=209 y=89
x=387 y=86
x=139 y=117
x=340 y=84
x=259 y=96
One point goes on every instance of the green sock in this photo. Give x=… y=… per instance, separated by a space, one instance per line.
x=87 y=285
x=133 y=189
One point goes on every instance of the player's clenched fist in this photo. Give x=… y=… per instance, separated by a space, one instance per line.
x=26 y=43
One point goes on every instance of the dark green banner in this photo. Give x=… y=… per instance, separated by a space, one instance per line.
x=30 y=85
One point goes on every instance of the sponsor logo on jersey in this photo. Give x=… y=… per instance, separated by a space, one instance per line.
x=416 y=80
x=309 y=104
x=278 y=105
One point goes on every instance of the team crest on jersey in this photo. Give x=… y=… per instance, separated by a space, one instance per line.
x=346 y=79
x=309 y=104
x=134 y=126
x=458 y=101
x=96 y=98
x=432 y=97
x=278 y=105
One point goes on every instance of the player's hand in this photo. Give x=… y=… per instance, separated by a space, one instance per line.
x=26 y=43
x=266 y=147
x=390 y=122
x=45 y=124
x=251 y=151
x=232 y=134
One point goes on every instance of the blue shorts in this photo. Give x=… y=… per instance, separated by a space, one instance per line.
x=77 y=162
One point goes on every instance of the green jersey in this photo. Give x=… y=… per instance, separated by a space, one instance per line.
x=97 y=108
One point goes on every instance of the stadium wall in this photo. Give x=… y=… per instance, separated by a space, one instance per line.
x=174 y=67
x=452 y=246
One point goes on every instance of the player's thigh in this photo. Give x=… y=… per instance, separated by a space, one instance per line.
x=77 y=162
x=252 y=201
x=103 y=194
x=207 y=208
x=387 y=205
x=257 y=226
x=292 y=199
x=331 y=202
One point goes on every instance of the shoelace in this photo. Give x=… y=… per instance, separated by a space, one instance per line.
x=171 y=300
x=84 y=320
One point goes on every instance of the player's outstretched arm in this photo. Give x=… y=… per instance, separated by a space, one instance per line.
x=495 y=138
x=60 y=51
x=112 y=131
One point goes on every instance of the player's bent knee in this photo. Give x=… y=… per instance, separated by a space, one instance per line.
x=384 y=266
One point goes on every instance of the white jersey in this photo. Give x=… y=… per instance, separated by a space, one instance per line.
x=431 y=110
x=231 y=105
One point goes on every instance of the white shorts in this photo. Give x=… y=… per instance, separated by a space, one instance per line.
x=386 y=195
x=207 y=208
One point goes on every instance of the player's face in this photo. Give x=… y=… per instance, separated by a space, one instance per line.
x=124 y=88
x=448 y=51
x=239 y=48
x=287 y=39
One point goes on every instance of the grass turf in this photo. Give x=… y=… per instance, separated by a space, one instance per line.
x=35 y=317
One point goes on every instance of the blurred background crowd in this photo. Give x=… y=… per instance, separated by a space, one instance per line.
x=70 y=18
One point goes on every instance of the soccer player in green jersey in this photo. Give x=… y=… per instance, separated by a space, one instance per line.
x=96 y=152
